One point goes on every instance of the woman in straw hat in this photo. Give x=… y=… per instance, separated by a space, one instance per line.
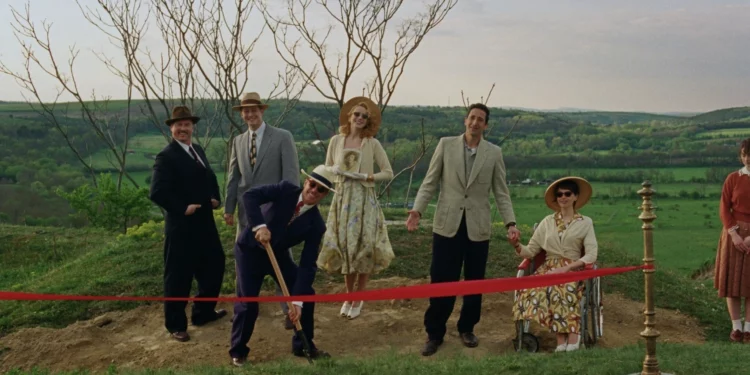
x=356 y=241
x=563 y=235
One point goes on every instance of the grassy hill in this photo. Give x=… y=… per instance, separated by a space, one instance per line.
x=721 y=115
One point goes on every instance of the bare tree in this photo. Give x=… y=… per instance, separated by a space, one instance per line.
x=364 y=26
x=37 y=51
x=368 y=31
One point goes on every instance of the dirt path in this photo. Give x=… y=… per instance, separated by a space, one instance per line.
x=137 y=339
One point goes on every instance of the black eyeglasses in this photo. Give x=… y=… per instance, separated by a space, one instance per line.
x=363 y=115
x=321 y=189
x=565 y=193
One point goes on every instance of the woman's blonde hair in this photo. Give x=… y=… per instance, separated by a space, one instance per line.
x=369 y=131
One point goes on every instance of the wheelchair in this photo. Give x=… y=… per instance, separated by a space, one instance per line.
x=592 y=320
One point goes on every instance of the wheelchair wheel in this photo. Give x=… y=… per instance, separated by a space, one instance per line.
x=529 y=342
x=590 y=315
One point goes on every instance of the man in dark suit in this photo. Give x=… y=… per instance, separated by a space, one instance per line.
x=184 y=185
x=283 y=215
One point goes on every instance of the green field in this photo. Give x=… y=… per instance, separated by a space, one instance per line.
x=726 y=133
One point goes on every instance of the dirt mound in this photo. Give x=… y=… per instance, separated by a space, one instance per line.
x=137 y=338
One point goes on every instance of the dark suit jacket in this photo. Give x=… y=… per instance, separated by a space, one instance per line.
x=178 y=181
x=274 y=205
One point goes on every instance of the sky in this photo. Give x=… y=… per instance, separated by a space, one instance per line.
x=637 y=55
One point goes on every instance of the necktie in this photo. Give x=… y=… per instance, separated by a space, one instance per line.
x=195 y=156
x=253 y=151
x=296 y=211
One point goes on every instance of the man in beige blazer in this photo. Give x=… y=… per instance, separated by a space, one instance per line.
x=468 y=169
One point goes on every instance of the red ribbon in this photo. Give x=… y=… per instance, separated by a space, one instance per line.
x=457 y=288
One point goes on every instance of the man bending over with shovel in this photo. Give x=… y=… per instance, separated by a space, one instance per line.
x=280 y=216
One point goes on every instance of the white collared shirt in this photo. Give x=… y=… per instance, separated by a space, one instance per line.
x=187 y=149
x=744 y=171
x=258 y=138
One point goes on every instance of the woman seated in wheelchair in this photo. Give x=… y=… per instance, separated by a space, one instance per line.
x=563 y=235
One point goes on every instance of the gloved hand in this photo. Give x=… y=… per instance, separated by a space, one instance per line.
x=336 y=170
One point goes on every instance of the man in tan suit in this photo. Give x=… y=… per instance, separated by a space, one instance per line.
x=467 y=167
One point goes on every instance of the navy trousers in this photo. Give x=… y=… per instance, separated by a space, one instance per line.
x=449 y=255
x=252 y=267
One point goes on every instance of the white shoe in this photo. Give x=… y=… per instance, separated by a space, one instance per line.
x=572 y=347
x=345 y=309
x=355 y=311
x=561 y=348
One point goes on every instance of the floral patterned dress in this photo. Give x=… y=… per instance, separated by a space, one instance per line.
x=556 y=307
x=356 y=239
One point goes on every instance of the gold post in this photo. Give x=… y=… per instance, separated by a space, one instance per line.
x=650 y=363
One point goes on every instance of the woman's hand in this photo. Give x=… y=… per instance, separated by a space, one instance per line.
x=558 y=270
x=738 y=242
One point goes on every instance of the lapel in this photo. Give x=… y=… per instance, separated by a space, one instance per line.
x=178 y=150
x=265 y=144
x=479 y=159
x=202 y=155
x=458 y=151
x=243 y=151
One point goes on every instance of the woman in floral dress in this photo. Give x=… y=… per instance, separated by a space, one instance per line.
x=563 y=235
x=356 y=241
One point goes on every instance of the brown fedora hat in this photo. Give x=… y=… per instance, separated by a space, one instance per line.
x=250 y=99
x=374 y=119
x=584 y=192
x=181 y=112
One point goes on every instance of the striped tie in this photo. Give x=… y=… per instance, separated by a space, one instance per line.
x=253 y=151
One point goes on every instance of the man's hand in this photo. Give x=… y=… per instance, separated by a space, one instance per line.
x=295 y=314
x=229 y=219
x=214 y=203
x=191 y=209
x=263 y=235
x=513 y=234
x=412 y=223
x=558 y=270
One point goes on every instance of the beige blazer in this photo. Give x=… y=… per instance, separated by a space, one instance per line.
x=579 y=235
x=372 y=152
x=459 y=196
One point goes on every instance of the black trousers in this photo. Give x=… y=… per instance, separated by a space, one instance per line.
x=449 y=255
x=252 y=267
x=186 y=258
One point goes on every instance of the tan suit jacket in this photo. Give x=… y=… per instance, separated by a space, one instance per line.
x=459 y=196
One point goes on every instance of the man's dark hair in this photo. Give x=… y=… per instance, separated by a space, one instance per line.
x=483 y=108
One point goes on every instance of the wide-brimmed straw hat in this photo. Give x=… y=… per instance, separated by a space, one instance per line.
x=250 y=99
x=584 y=192
x=181 y=112
x=322 y=175
x=372 y=108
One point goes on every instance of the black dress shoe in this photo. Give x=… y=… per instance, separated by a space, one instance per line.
x=218 y=314
x=431 y=347
x=469 y=340
x=314 y=354
x=288 y=323
x=180 y=336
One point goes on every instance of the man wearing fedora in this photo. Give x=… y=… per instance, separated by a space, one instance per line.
x=184 y=185
x=468 y=169
x=282 y=215
x=260 y=156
